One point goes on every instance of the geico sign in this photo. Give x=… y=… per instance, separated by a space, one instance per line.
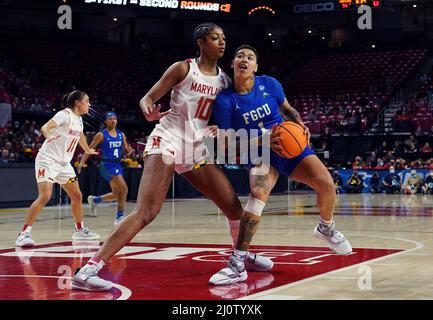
x=314 y=7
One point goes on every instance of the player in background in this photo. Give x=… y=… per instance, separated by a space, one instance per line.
x=112 y=142
x=259 y=102
x=52 y=165
x=195 y=83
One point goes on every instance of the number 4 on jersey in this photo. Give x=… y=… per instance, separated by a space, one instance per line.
x=204 y=109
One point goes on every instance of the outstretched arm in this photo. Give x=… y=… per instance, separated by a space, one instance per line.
x=174 y=74
x=97 y=139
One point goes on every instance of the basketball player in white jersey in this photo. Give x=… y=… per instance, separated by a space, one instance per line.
x=173 y=147
x=52 y=165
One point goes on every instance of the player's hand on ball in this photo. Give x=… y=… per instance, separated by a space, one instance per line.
x=306 y=130
x=275 y=140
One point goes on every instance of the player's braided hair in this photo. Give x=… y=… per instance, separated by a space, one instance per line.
x=69 y=99
x=201 y=31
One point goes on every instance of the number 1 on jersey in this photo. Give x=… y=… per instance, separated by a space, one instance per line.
x=204 y=109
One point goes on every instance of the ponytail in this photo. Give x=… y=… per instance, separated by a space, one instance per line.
x=68 y=100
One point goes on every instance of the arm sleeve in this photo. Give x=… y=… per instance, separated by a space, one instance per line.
x=61 y=117
x=278 y=90
x=222 y=112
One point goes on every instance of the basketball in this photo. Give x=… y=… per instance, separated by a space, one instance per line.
x=293 y=139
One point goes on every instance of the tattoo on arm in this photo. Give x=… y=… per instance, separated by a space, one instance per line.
x=291 y=114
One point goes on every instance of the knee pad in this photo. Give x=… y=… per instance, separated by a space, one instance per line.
x=254 y=206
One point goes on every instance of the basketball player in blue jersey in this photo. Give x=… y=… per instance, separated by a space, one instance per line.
x=259 y=102
x=194 y=84
x=112 y=142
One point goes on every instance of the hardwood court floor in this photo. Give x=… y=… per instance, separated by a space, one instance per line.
x=392 y=237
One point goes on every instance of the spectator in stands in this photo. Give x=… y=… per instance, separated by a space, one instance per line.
x=399 y=164
x=389 y=157
x=427 y=187
x=355 y=183
x=426 y=148
x=375 y=183
x=398 y=147
x=392 y=182
x=312 y=116
x=372 y=159
x=380 y=163
x=5 y=156
x=383 y=149
x=358 y=163
x=413 y=183
x=411 y=139
x=338 y=182
x=411 y=148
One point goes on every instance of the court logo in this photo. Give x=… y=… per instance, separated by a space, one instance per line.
x=65 y=20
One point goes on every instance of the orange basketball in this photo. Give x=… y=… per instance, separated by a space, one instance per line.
x=293 y=139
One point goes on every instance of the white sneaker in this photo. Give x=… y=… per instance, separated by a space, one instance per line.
x=255 y=262
x=92 y=205
x=233 y=273
x=118 y=220
x=333 y=238
x=84 y=234
x=87 y=279
x=25 y=240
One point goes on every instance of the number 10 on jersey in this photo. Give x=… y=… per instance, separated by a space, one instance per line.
x=204 y=109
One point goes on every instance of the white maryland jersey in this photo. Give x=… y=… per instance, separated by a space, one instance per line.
x=63 y=138
x=191 y=104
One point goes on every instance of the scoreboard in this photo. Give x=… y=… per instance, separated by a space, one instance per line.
x=354 y=4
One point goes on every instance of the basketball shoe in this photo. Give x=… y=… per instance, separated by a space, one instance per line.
x=92 y=205
x=84 y=234
x=25 y=240
x=333 y=238
x=255 y=262
x=233 y=273
x=118 y=220
x=87 y=279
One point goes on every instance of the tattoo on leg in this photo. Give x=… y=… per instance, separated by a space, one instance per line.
x=261 y=181
x=248 y=227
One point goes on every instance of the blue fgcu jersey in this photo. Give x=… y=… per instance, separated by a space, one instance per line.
x=111 y=154
x=255 y=110
x=112 y=146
